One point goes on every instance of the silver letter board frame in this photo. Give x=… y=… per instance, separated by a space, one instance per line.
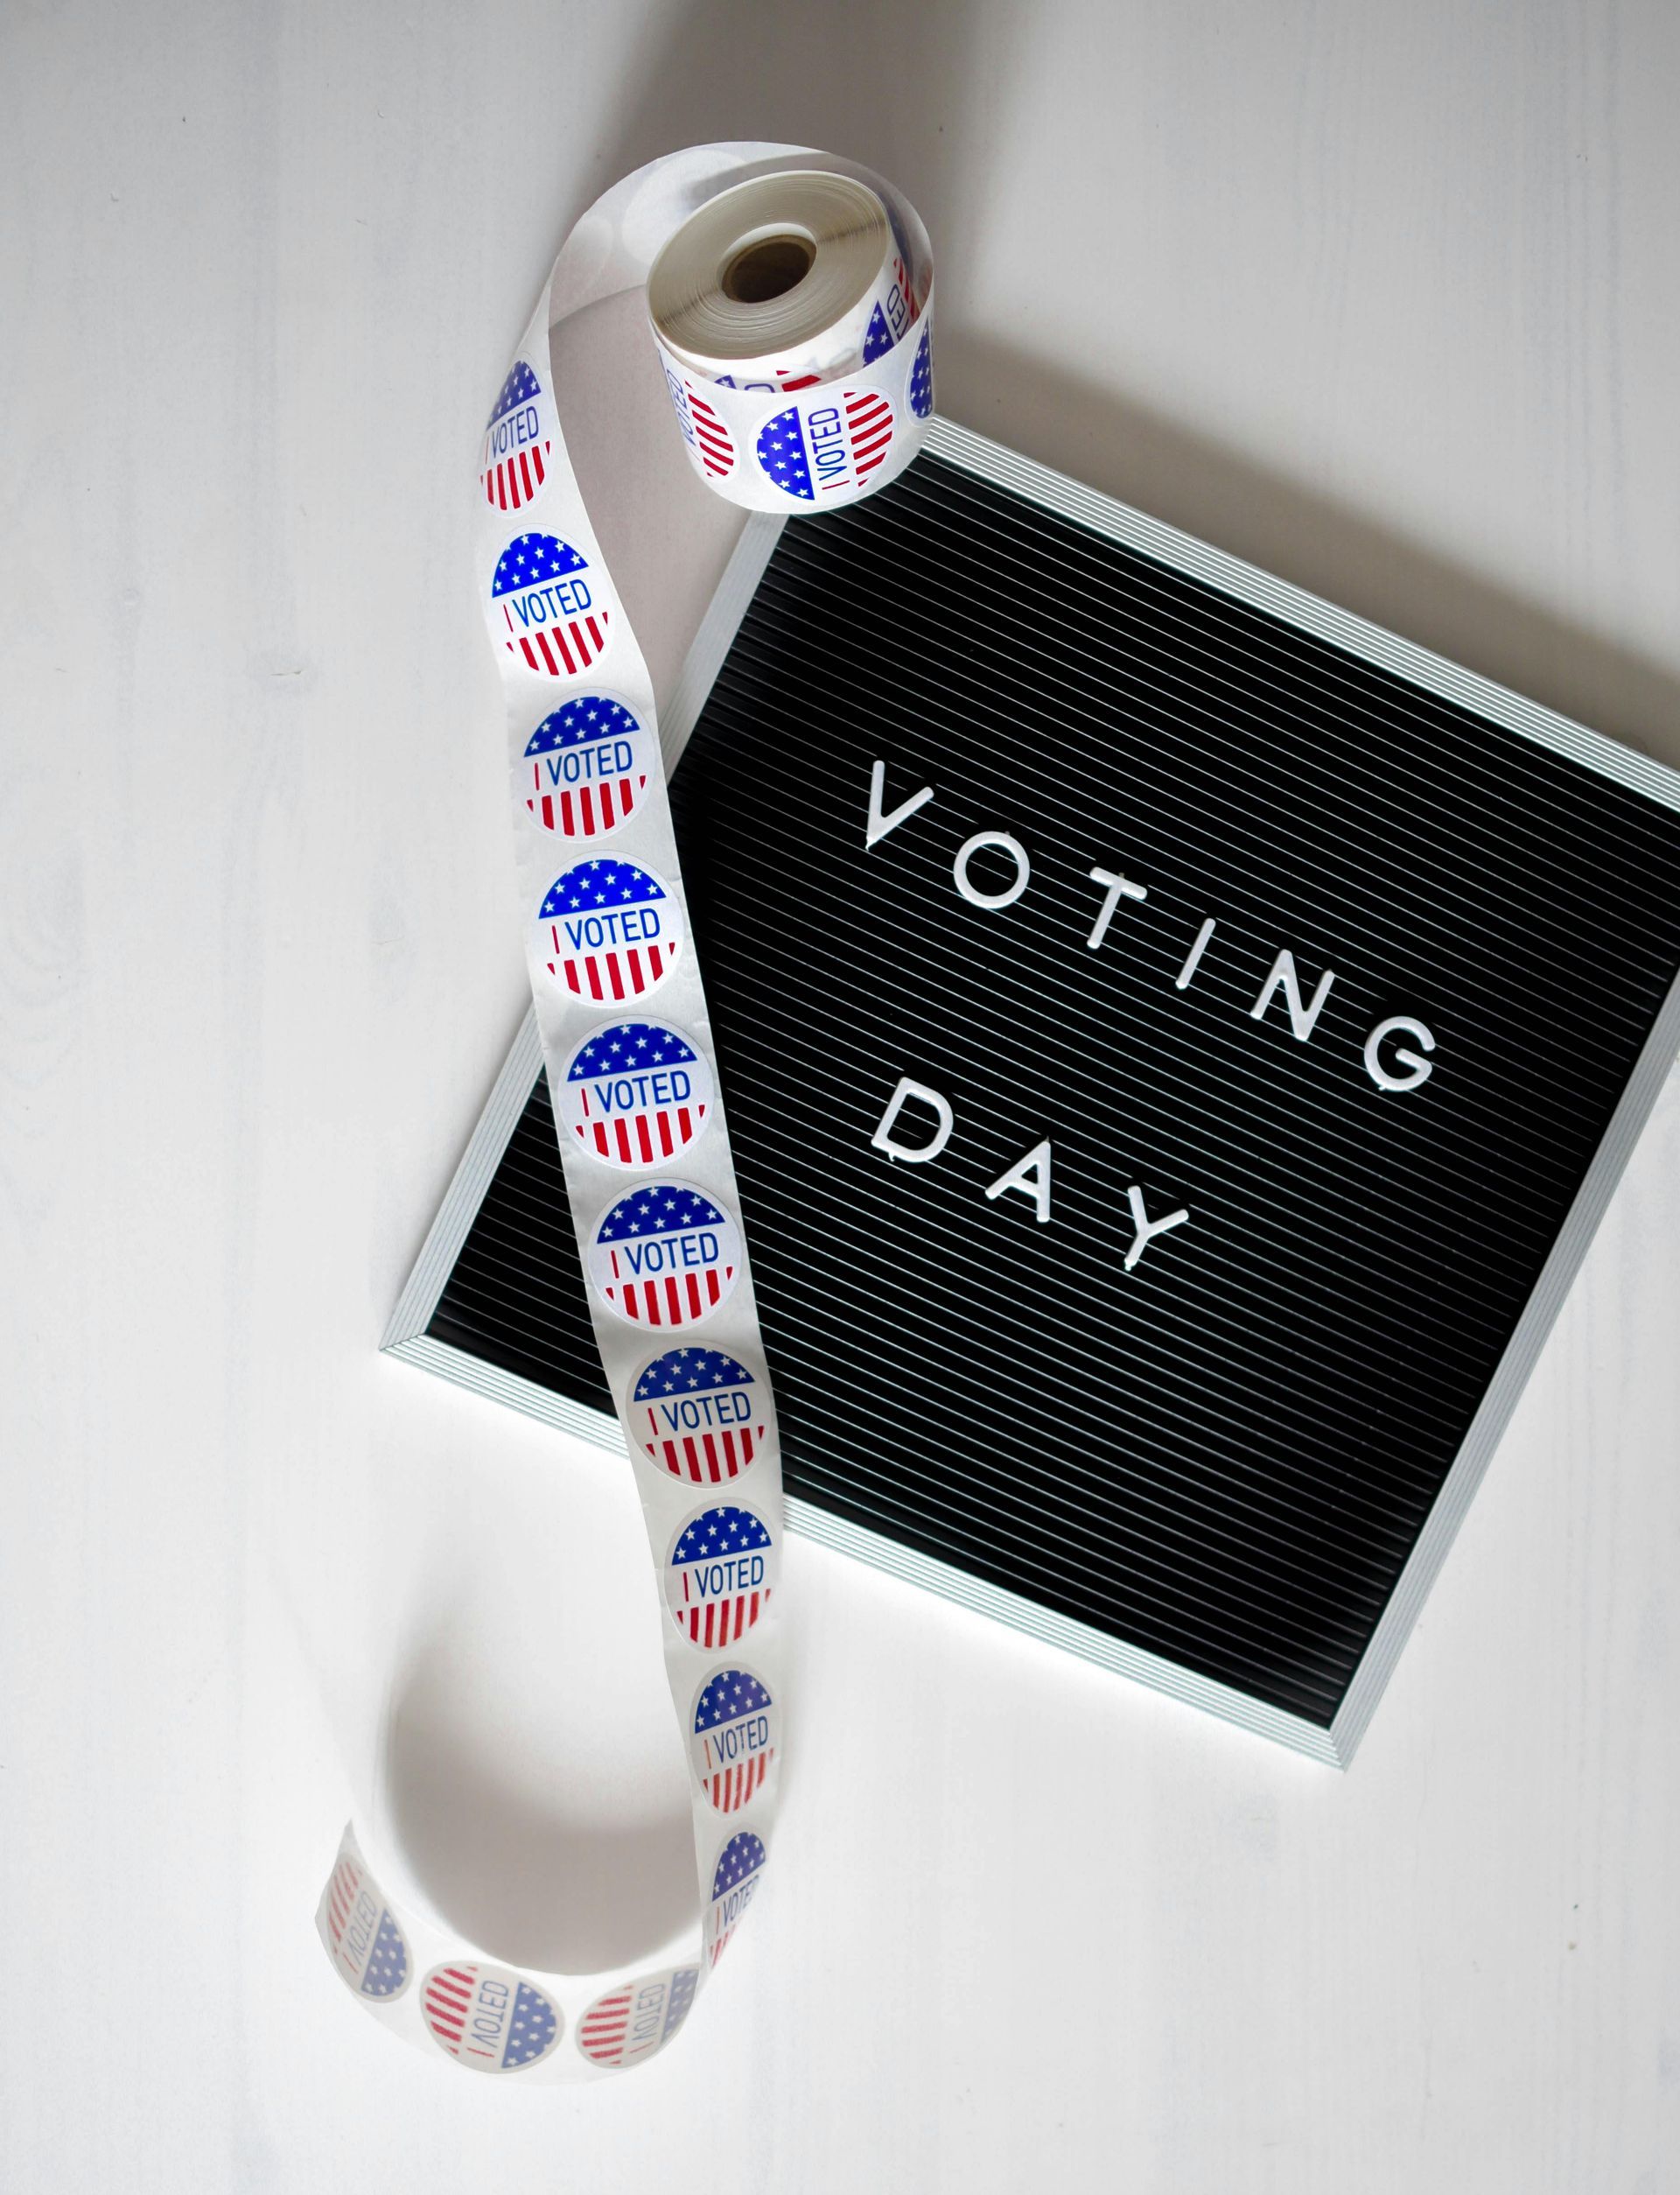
x=1046 y=537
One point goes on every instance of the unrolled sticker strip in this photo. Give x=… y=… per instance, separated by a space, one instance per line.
x=791 y=297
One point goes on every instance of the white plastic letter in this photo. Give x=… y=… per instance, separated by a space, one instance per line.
x=1031 y=1177
x=1283 y=976
x=1193 y=958
x=878 y=824
x=1119 y=889
x=1148 y=1227
x=1421 y=1069
x=913 y=1155
x=1005 y=844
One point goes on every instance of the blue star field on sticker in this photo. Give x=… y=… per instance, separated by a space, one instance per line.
x=690 y=1372
x=684 y=1982
x=522 y=387
x=658 y=1211
x=921 y=376
x=742 y=1856
x=878 y=339
x=781 y=452
x=729 y=1696
x=530 y=560
x=593 y=884
x=632 y=1046
x=720 y=1532
x=589 y=717
x=388 y=1962
x=533 y=2028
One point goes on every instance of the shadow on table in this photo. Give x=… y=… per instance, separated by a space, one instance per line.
x=1171 y=471
x=911 y=91
x=922 y=94
x=535 y=1847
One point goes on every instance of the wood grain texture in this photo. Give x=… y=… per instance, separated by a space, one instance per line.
x=1385 y=299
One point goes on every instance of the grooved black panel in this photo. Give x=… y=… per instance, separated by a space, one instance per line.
x=1225 y=1454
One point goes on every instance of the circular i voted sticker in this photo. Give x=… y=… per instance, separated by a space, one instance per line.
x=545 y=608
x=833 y=439
x=634 y=2020
x=735 y=1879
x=586 y=769
x=701 y=1414
x=489 y=2018
x=720 y=1575
x=516 y=445
x=608 y=930
x=734 y=1739
x=635 y=1094
x=362 y=1934
x=664 y=1255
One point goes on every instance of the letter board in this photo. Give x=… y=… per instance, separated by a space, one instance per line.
x=1278 y=1001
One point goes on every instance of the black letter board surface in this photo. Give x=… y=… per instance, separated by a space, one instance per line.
x=1227 y=910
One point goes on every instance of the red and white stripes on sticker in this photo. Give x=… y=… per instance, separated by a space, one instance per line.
x=706 y=1458
x=605 y=2027
x=449 y=1999
x=711 y=442
x=719 y=1622
x=562 y=649
x=644 y=1140
x=511 y=481
x=341 y=1896
x=730 y=1788
x=617 y=974
x=869 y=429
x=582 y=814
x=675 y=1300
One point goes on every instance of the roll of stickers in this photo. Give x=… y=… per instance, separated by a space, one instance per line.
x=790 y=298
x=789 y=282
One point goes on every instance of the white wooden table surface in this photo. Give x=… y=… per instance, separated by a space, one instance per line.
x=1386 y=299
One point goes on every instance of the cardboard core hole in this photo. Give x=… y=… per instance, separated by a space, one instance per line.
x=767 y=268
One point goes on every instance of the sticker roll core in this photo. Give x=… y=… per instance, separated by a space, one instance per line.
x=768 y=267
x=789 y=297
x=829 y=233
